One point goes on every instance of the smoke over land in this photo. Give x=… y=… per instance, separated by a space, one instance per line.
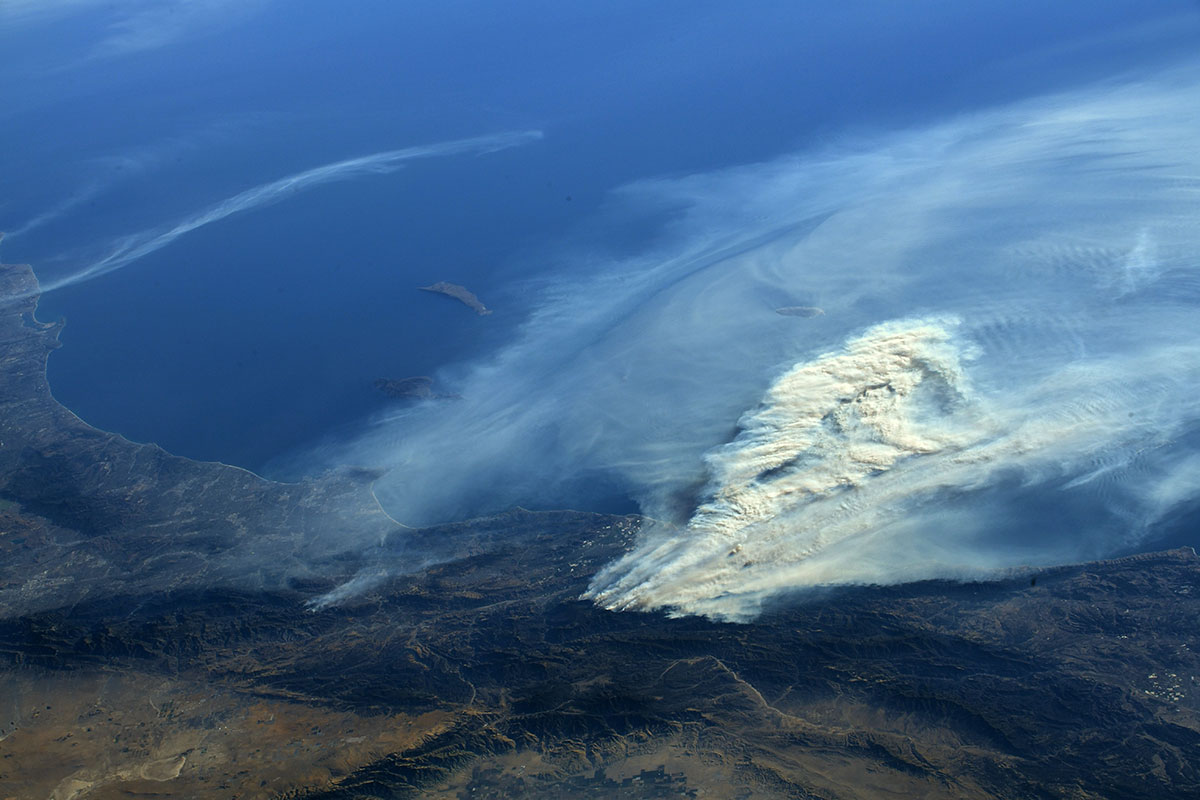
x=1005 y=372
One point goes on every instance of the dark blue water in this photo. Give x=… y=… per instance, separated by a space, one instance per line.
x=259 y=334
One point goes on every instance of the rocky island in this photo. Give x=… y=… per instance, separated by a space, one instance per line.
x=800 y=311
x=459 y=293
x=158 y=638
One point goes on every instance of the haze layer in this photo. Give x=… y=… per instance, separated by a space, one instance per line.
x=1005 y=371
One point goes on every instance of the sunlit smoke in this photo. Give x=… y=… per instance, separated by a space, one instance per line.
x=855 y=447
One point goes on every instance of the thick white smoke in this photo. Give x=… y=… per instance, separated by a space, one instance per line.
x=847 y=448
x=1056 y=419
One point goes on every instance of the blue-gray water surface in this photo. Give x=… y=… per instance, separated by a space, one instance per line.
x=253 y=338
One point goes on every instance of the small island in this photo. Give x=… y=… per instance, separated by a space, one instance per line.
x=460 y=293
x=800 y=311
x=419 y=387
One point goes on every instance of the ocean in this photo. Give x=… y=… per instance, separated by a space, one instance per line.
x=249 y=339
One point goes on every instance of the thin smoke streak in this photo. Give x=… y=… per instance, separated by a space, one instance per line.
x=132 y=26
x=140 y=245
x=111 y=170
x=71 y=203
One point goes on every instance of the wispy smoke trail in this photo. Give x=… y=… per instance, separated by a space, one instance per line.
x=102 y=173
x=143 y=244
x=133 y=26
x=350 y=589
x=74 y=201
